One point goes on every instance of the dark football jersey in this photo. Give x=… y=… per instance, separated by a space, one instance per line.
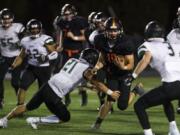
x=75 y=26
x=122 y=46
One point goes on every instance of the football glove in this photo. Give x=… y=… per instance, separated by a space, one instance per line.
x=128 y=81
x=42 y=58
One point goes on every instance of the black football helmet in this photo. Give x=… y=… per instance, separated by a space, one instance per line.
x=99 y=20
x=154 y=30
x=34 y=27
x=91 y=17
x=90 y=55
x=68 y=8
x=100 y=17
x=6 y=17
x=91 y=20
x=113 y=28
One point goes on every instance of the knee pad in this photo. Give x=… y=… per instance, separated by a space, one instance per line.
x=139 y=105
x=66 y=117
x=122 y=106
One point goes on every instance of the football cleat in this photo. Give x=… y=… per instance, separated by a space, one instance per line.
x=174 y=132
x=3 y=122
x=33 y=122
x=95 y=126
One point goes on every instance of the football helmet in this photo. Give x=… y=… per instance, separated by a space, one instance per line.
x=34 y=27
x=70 y=9
x=6 y=17
x=90 y=55
x=99 y=19
x=91 y=17
x=113 y=28
x=154 y=30
x=91 y=20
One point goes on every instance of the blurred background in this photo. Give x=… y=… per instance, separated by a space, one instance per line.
x=134 y=14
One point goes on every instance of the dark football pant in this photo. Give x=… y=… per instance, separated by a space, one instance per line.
x=52 y=101
x=5 y=63
x=119 y=84
x=162 y=95
x=31 y=73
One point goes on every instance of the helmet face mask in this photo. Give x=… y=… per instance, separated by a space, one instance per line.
x=112 y=34
x=68 y=16
x=34 y=28
x=90 y=55
x=113 y=29
x=99 y=20
x=6 y=17
x=68 y=12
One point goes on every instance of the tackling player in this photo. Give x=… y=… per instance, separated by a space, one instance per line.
x=73 y=72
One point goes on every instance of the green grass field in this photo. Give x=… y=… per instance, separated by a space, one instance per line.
x=118 y=123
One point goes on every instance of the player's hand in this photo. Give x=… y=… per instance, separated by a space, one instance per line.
x=119 y=61
x=89 y=73
x=115 y=95
x=42 y=58
x=70 y=35
x=59 y=49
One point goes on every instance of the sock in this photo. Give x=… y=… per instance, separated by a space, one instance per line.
x=99 y=120
x=49 y=119
x=5 y=118
x=148 y=132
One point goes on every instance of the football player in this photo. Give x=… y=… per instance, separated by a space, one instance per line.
x=39 y=49
x=10 y=35
x=117 y=51
x=174 y=38
x=164 y=57
x=99 y=20
x=73 y=72
x=73 y=28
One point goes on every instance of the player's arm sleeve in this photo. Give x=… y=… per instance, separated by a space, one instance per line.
x=19 y=59
x=141 y=51
x=21 y=31
x=145 y=57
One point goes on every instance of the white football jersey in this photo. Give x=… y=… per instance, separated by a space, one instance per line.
x=36 y=47
x=165 y=58
x=174 y=36
x=9 y=40
x=69 y=77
